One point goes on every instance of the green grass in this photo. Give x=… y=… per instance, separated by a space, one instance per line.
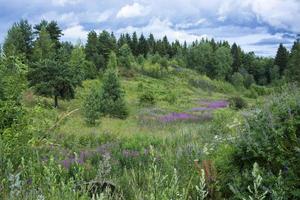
x=186 y=97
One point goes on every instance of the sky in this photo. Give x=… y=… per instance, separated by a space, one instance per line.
x=256 y=25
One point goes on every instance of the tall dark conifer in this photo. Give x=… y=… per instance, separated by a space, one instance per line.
x=237 y=57
x=281 y=58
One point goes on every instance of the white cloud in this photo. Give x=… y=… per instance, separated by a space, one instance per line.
x=160 y=28
x=134 y=10
x=65 y=2
x=188 y=25
x=74 y=33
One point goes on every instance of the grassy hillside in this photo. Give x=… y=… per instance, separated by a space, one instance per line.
x=174 y=93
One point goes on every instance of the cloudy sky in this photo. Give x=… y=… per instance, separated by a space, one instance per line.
x=257 y=25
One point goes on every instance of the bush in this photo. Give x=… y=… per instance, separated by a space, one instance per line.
x=269 y=137
x=237 y=103
x=251 y=93
x=261 y=90
x=237 y=80
x=248 y=80
x=147 y=98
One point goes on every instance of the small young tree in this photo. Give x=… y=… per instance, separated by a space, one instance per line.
x=91 y=109
x=125 y=58
x=112 y=101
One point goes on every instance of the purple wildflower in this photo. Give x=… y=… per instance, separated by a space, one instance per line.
x=200 y=109
x=177 y=116
x=218 y=104
x=130 y=153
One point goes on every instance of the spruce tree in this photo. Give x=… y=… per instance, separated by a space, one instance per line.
x=237 y=59
x=106 y=44
x=152 y=44
x=92 y=53
x=293 y=69
x=111 y=99
x=91 y=110
x=134 y=44
x=143 y=47
x=281 y=58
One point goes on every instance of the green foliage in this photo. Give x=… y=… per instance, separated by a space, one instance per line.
x=270 y=138
x=125 y=58
x=236 y=53
x=19 y=40
x=260 y=90
x=51 y=79
x=256 y=192
x=112 y=62
x=274 y=73
x=12 y=78
x=111 y=96
x=237 y=80
x=52 y=29
x=147 y=98
x=106 y=44
x=43 y=46
x=281 y=59
x=237 y=103
x=80 y=67
x=200 y=57
x=91 y=51
x=248 y=80
x=293 y=70
x=222 y=63
x=91 y=108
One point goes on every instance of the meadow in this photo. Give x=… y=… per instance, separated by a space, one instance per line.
x=174 y=123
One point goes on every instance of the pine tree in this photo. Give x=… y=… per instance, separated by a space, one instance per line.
x=19 y=40
x=111 y=98
x=43 y=46
x=281 y=58
x=53 y=29
x=50 y=79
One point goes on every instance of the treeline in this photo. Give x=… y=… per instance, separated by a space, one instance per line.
x=56 y=67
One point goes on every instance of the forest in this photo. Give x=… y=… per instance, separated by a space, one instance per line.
x=136 y=117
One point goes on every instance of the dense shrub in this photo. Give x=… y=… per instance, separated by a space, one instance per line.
x=204 y=84
x=261 y=90
x=269 y=137
x=147 y=98
x=237 y=103
x=237 y=80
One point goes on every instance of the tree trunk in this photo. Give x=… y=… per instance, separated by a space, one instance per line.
x=56 y=101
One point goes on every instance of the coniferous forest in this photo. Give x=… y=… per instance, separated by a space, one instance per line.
x=135 y=117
